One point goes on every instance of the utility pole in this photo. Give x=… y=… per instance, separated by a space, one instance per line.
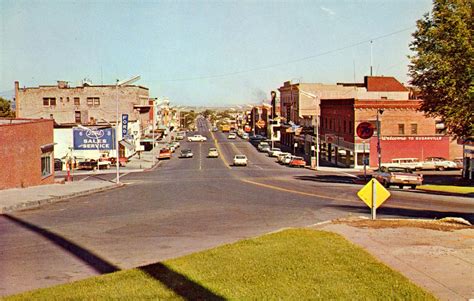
x=379 y=149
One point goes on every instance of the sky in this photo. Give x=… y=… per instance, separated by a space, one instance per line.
x=204 y=53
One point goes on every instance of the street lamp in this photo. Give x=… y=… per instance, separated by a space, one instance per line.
x=117 y=85
x=379 y=149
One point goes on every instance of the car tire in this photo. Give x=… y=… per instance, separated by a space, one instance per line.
x=386 y=184
x=400 y=186
x=413 y=186
x=441 y=168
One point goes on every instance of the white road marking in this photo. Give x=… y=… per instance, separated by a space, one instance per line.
x=200 y=157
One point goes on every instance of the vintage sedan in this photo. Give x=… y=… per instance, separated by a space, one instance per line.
x=397 y=176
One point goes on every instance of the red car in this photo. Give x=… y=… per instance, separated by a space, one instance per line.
x=297 y=162
x=165 y=153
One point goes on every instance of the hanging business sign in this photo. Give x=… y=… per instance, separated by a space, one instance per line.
x=124 y=125
x=93 y=139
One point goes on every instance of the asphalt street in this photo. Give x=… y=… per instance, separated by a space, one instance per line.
x=184 y=206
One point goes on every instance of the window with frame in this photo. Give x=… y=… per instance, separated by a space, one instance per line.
x=49 y=101
x=46 y=162
x=77 y=101
x=401 y=129
x=414 y=129
x=93 y=101
x=77 y=116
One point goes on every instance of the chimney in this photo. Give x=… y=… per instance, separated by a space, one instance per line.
x=17 y=100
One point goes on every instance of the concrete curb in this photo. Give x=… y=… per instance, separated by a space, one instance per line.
x=51 y=200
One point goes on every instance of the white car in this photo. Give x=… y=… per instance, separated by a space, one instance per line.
x=231 y=136
x=281 y=156
x=274 y=152
x=438 y=163
x=287 y=159
x=240 y=160
x=197 y=138
x=245 y=136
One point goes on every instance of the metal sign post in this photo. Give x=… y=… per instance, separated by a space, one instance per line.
x=363 y=160
x=374 y=200
x=373 y=194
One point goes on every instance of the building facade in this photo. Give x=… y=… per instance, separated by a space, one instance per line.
x=404 y=132
x=300 y=105
x=27 y=152
x=85 y=104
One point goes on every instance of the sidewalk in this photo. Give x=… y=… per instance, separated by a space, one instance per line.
x=35 y=196
x=440 y=259
x=32 y=197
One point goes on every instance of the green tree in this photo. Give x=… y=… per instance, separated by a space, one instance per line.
x=442 y=66
x=5 y=109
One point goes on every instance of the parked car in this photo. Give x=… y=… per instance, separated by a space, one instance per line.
x=176 y=144
x=232 y=136
x=165 y=153
x=255 y=140
x=197 y=138
x=287 y=159
x=281 y=156
x=261 y=145
x=240 y=160
x=215 y=129
x=58 y=165
x=274 y=152
x=212 y=153
x=411 y=163
x=398 y=176
x=245 y=136
x=186 y=153
x=438 y=163
x=459 y=163
x=297 y=162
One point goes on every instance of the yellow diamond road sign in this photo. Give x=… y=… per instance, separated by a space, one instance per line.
x=365 y=194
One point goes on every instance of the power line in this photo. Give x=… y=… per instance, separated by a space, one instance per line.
x=290 y=61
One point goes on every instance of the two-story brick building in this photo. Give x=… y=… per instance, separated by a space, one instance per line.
x=91 y=106
x=300 y=103
x=85 y=104
x=405 y=132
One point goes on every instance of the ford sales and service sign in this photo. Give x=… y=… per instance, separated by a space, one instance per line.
x=93 y=139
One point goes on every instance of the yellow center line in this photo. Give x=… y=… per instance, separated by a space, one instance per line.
x=221 y=154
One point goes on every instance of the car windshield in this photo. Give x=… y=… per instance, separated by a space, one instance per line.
x=240 y=157
x=297 y=158
x=186 y=151
x=212 y=149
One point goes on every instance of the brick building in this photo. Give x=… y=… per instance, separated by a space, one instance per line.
x=300 y=103
x=86 y=104
x=27 y=152
x=404 y=132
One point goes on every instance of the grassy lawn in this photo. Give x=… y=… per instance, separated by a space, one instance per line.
x=446 y=188
x=296 y=264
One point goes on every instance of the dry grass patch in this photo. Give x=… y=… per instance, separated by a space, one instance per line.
x=445 y=224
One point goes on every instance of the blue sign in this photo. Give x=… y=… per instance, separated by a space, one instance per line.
x=93 y=139
x=124 y=125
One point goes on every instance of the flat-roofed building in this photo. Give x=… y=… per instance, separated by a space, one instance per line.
x=26 y=152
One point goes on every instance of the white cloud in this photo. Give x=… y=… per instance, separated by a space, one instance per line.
x=328 y=11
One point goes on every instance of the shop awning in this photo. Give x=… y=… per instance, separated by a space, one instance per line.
x=127 y=144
